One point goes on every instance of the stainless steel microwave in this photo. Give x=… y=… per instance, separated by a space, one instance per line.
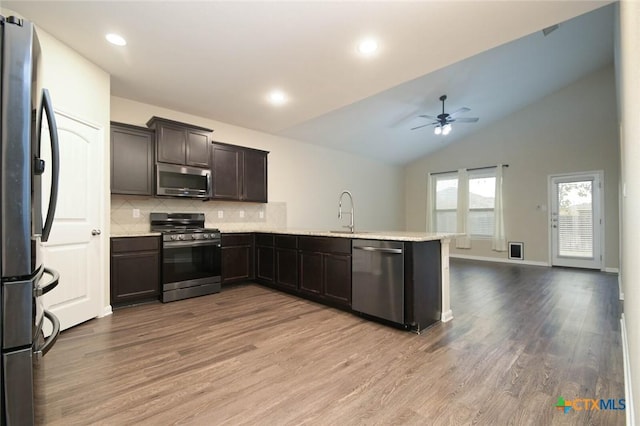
x=183 y=181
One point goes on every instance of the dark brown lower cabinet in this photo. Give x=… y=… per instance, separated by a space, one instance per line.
x=286 y=247
x=337 y=278
x=265 y=258
x=237 y=258
x=325 y=268
x=135 y=269
x=310 y=272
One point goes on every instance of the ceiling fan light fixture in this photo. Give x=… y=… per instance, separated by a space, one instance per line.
x=437 y=130
x=446 y=129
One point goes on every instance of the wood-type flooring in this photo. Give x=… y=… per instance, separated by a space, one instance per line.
x=521 y=337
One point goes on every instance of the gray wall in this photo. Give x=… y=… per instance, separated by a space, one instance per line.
x=571 y=130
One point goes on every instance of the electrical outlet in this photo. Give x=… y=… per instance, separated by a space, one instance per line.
x=220 y=214
x=136 y=213
x=261 y=214
x=241 y=214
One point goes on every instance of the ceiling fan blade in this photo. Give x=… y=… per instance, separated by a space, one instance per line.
x=465 y=120
x=424 y=125
x=459 y=111
x=430 y=117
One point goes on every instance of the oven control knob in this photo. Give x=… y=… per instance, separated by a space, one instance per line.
x=212 y=235
x=173 y=237
x=194 y=237
x=206 y=236
x=181 y=237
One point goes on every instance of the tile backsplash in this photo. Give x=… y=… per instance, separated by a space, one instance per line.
x=235 y=215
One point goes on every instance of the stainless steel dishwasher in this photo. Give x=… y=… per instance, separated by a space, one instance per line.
x=377 y=285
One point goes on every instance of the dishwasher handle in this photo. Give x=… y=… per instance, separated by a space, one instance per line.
x=379 y=249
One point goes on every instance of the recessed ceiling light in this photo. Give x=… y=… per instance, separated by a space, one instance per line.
x=277 y=97
x=367 y=46
x=116 y=39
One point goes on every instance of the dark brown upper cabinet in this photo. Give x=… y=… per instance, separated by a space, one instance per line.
x=180 y=143
x=239 y=173
x=131 y=159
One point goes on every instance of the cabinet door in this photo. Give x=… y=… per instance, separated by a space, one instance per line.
x=236 y=263
x=131 y=160
x=134 y=276
x=310 y=272
x=227 y=169
x=171 y=143
x=337 y=278
x=287 y=268
x=254 y=187
x=197 y=149
x=265 y=264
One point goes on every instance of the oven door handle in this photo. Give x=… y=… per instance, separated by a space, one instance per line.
x=41 y=291
x=176 y=244
x=51 y=339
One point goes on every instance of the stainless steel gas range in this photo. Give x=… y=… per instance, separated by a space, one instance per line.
x=191 y=259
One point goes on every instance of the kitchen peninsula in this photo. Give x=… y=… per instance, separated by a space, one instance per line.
x=350 y=271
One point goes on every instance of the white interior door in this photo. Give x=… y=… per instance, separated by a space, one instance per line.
x=576 y=220
x=72 y=248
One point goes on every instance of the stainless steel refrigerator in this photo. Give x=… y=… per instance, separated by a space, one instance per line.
x=24 y=106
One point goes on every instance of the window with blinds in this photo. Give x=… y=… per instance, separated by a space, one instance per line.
x=482 y=197
x=482 y=200
x=445 y=190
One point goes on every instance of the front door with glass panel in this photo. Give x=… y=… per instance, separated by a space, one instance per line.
x=575 y=220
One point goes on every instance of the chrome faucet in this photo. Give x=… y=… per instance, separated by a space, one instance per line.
x=340 y=212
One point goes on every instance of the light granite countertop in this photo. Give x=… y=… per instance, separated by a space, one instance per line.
x=368 y=235
x=135 y=234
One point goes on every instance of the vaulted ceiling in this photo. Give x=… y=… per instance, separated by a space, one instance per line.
x=221 y=59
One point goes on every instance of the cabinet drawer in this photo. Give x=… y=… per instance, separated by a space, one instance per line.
x=264 y=240
x=286 y=241
x=229 y=240
x=325 y=244
x=129 y=244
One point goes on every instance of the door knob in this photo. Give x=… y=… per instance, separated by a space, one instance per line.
x=96 y=232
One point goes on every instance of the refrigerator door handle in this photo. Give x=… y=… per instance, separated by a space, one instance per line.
x=40 y=291
x=47 y=106
x=51 y=339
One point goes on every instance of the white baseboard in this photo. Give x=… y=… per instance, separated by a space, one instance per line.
x=106 y=311
x=628 y=393
x=446 y=316
x=498 y=260
x=514 y=261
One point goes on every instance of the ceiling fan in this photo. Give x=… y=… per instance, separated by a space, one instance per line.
x=442 y=122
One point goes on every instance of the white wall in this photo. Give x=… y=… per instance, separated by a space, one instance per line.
x=306 y=177
x=629 y=93
x=571 y=130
